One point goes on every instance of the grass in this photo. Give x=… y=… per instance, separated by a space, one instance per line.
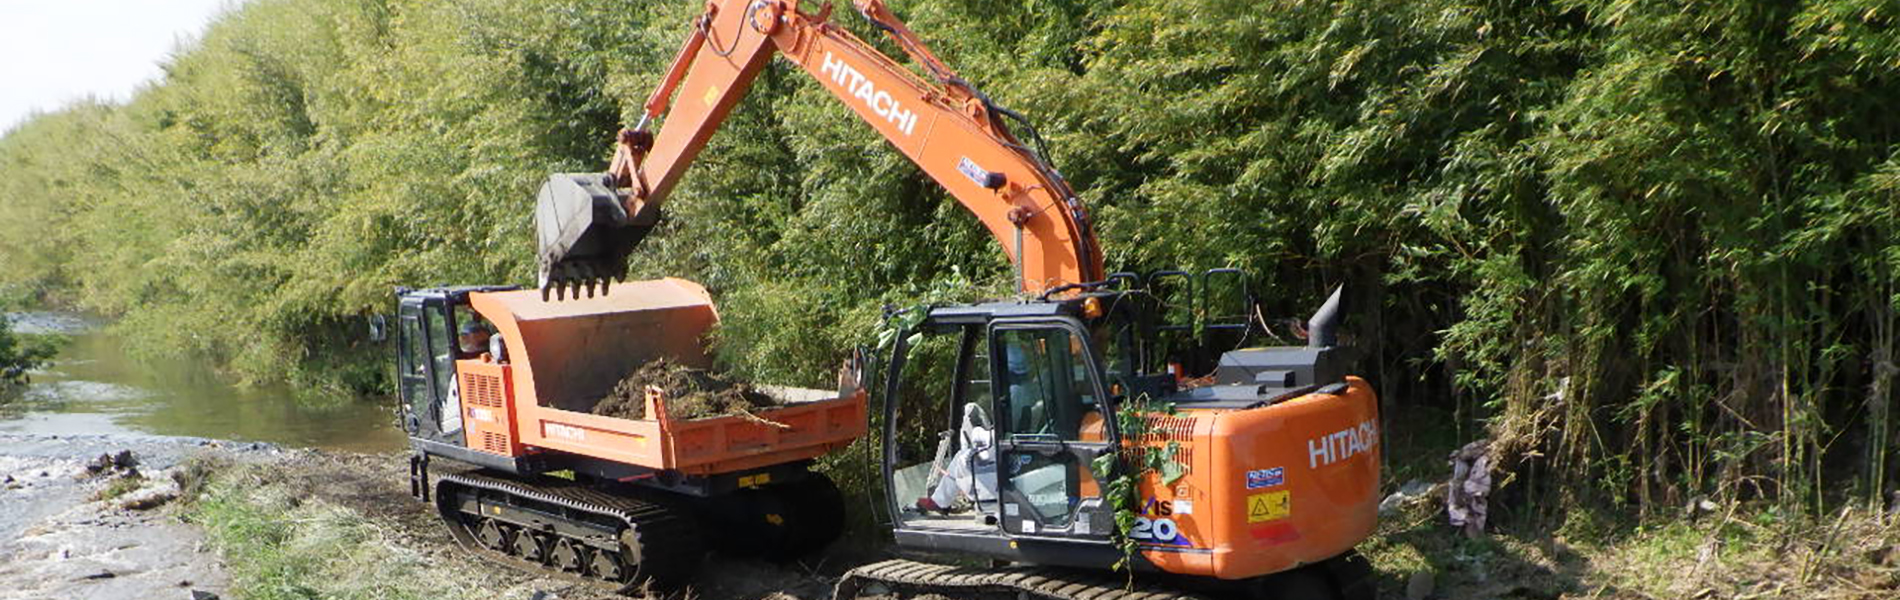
x=280 y=541
x=120 y=487
x=1752 y=551
x=280 y=545
x=1598 y=550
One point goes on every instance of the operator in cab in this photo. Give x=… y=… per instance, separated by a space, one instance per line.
x=473 y=338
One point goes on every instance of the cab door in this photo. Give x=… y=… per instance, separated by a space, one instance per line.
x=1055 y=420
x=423 y=371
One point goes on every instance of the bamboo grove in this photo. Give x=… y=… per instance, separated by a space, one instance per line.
x=1650 y=245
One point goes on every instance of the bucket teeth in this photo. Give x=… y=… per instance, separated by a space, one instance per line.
x=574 y=281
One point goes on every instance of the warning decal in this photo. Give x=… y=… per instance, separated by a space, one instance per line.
x=1271 y=506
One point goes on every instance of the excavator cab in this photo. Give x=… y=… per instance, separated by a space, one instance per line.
x=1025 y=413
x=431 y=327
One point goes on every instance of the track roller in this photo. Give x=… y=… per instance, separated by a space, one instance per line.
x=492 y=536
x=530 y=546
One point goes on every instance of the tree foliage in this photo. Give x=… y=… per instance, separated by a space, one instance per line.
x=19 y=356
x=1653 y=241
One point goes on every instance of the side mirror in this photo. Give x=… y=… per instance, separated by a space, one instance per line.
x=378 y=328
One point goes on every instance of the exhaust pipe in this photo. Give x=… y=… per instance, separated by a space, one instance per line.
x=1322 y=330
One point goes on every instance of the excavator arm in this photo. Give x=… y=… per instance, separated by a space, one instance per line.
x=589 y=223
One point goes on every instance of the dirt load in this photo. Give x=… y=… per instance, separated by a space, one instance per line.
x=690 y=393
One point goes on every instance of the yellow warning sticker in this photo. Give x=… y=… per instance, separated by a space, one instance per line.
x=1271 y=506
x=712 y=95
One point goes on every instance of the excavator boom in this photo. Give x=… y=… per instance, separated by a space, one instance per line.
x=589 y=223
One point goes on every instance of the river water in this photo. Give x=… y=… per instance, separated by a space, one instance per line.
x=95 y=387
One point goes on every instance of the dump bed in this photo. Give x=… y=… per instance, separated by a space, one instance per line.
x=562 y=357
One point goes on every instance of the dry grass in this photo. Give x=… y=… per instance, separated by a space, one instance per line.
x=1855 y=554
x=1738 y=552
x=280 y=544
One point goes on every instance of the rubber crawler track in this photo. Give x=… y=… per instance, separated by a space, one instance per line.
x=661 y=545
x=1040 y=582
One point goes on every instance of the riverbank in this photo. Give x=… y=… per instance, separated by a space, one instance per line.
x=66 y=530
x=255 y=521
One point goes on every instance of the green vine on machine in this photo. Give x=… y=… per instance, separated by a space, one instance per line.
x=1139 y=460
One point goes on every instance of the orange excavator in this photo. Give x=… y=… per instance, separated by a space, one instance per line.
x=1085 y=426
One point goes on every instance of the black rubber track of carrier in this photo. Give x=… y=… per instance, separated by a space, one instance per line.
x=1040 y=582
x=665 y=541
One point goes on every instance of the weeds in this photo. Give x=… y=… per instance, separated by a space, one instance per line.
x=119 y=487
x=280 y=545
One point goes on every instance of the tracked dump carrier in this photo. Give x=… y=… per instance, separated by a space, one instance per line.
x=504 y=384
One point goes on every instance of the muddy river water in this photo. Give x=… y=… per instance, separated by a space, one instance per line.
x=94 y=386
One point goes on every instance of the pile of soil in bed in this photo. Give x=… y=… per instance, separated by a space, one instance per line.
x=690 y=393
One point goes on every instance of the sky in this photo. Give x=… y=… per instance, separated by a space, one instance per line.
x=53 y=52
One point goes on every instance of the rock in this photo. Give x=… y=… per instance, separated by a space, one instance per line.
x=1699 y=506
x=150 y=497
x=99 y=465
x=1419 y=586
x=1412 y=491
x=203 y=595
x=125 y=459
x=543 y=595
x=1470 y=487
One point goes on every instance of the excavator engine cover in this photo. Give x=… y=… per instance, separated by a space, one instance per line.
x=584 y=234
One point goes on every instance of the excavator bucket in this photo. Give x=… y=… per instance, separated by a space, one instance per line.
x=584 y=233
